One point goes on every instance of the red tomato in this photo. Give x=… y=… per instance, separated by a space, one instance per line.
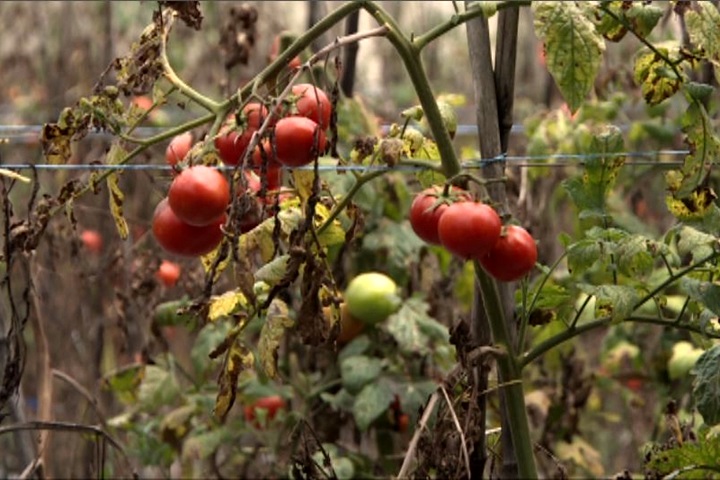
x=295 y=139
x=179 y=146
x=275 y=51
x=313 y=103
x=92 y=240
x=469 y=229
x=232 y=143
x=271 y=405
x=199 y=195
x=168 y=273
x=403 y=422
x=513 y=256
x=177 y=237
x=142 y=102
x=424 y=218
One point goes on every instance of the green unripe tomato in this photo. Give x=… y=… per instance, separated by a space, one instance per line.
x=372 y=297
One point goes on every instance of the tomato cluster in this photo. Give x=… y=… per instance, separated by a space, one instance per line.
x=473 y=231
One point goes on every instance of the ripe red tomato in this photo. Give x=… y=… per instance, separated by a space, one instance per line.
x=271 y=404
x=469 y=229
x=513 y=256
x=424 y=219
x=275 y=51
x=199 y=195
x=295 y=139
x=168 y=273
x=177 y=237
x=92 y=240
x=313 y=103
x=179 y=146
x=232 y=143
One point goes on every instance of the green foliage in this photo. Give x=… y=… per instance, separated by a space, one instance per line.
x=703 y=26
x=573 y=47
x=706 y=390
x=697 y=459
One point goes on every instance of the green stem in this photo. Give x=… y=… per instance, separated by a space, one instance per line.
x=510 y=370
x=571 y=333
x=458 y=19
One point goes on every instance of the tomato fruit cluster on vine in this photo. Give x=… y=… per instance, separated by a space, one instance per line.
x=473 y=231
x=189 y=221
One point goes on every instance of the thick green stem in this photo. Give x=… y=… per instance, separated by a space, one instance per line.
x=510 y=370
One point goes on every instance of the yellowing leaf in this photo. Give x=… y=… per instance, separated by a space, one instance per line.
x=238 y=358
x=116 y=196
x=208 y=260
x=573 y=47
x=303 y=181
x=278 y=320
x=226 y=304
x=334 y=233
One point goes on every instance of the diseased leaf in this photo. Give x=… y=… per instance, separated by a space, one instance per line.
x=226 y=304
x=706 y=388
x=657 y=80
x=358 y=371
x=614 y=301
x=370 y=403
x=703 y=26
x=707 y=293
x=237 y=359
x=405 y=329
x=271 y=273
x=640 y=16
x=573 y=48
x=115 y=195
x=277 y=322
x=582 y=255
x=695 y=243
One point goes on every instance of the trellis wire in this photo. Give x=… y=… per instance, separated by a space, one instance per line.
x=645 y=158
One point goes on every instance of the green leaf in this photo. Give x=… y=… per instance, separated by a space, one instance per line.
x=273 y=330
x=589 y=191
x=706 y=388
x=159 y=387
x=582 y=255
x=405 y=328
x=683 y=359
x=695 y=459
x=358 y=371
x=358 y=346
x=614 y=301
x=635 y=255
x=370 y=403
x=573 y=48
x=695 y=243
x=706 y=293
x=703 y=26
x=271 y=273
x=203 y=445
x=396 y=241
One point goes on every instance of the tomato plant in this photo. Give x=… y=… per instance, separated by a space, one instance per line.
x=168 y=273
x=270 y=405
x=469 y=229
x=180 y=238
x=513 y=256
x=199 y=195
x=298 y=140
x=426 y=210
x=313 y=103
x=372 y=297
x=178 y=148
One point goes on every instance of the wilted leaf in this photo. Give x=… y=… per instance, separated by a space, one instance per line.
x=706 y=389
x=642 y=18
x=573 y=48
x=657 y=80
x=277 y=321
x=271 y=273
x=189 y=12
x=370 y=403
x=237 y=359
x=303 y=181
x=358 y=371
x=226 y=304
x=115 y=195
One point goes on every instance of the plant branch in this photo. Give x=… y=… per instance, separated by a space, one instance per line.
x=458 y=19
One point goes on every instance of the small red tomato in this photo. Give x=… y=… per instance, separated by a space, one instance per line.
x=313 y=103
x=469 y=229
x=513 y=256
x=271 y=404
x=232 y=142
x=179 y=146
x=92 y=240
x=168 y=273
x=199 y=195
x=403 y=422
x=177 y=237
x=295 y=139
x=424 y=218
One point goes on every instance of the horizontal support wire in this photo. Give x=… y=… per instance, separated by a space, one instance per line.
x=11 y=133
